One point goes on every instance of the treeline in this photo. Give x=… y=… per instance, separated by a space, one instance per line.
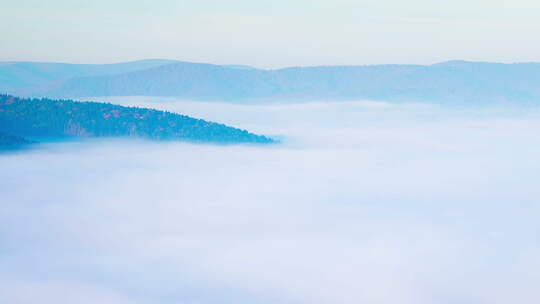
x=48 y=118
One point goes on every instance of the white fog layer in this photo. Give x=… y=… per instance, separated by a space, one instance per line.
x=362 y=202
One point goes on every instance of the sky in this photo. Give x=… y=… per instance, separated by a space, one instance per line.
x=270 y=34
x=364 y=202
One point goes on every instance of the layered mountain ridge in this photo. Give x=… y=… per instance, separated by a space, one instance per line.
x=446 y=82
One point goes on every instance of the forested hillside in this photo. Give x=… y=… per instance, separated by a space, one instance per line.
x=47 y=118
x=8 y=142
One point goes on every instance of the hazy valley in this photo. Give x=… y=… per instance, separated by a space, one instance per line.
x=362 y=202
x=269 y=152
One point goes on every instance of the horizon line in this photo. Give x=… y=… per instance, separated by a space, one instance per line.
x=173 y=61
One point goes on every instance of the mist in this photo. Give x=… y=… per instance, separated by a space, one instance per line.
x=361 y=202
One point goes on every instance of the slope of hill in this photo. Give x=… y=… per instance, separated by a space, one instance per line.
x=447 y=82
x=26 y=74
x=10 y=142
x=45 y=118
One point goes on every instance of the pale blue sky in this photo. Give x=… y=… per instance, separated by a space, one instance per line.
x=270 y=33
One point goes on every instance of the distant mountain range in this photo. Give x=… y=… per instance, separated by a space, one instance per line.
x=47 y=119
x=30 y=74
x=447 y=82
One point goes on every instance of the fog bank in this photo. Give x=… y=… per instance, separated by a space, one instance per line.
x=363 y=202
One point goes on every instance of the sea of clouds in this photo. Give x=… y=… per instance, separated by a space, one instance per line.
x=362 y=202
